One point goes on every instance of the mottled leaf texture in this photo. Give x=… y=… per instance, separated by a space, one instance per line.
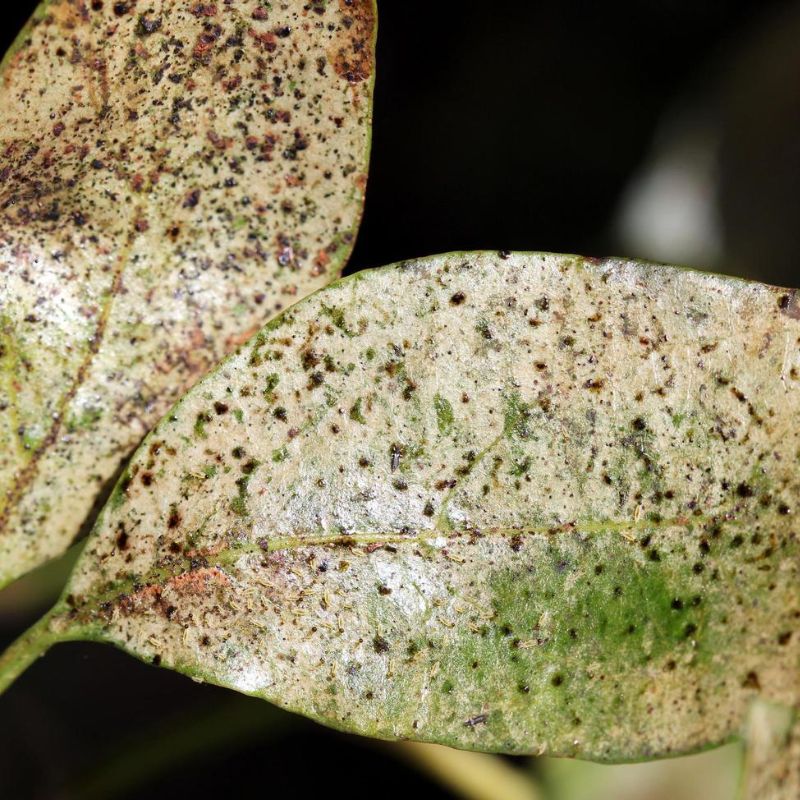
x=172 y=172
x=523 y=503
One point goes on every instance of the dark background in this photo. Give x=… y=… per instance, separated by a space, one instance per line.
x=497 y=125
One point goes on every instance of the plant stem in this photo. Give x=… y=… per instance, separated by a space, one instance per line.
x=471 y=776
x=20 y=654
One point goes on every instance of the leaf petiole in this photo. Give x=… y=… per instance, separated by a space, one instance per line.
x=32 y=644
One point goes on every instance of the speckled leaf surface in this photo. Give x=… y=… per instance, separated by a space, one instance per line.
x=516 y=502
x=172 y=173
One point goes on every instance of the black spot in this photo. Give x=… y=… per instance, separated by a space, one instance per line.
x=122 y=539
x=457 y=299
x=147 y=25
x=677 y=604
x=751 y=681
x=380 y=645
x=557 y=679
x=743 y=490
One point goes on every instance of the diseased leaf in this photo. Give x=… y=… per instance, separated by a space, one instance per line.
x=520 y=503
x=171 y=174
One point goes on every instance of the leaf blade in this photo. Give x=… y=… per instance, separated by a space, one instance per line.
x=593 y=558
x=172 y=178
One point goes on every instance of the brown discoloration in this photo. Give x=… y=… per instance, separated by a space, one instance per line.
x=353 y=58
x=194 y=583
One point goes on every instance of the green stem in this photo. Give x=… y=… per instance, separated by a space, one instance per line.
x=20 y=654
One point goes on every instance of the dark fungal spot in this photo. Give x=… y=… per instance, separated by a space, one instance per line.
x=638 y=424
x=174 y=519
x=677 y=604
x=147 y=25
x=380 y=645
x=221 y=408
x=457 y=299
x=751 y=681
x=122 y=539
x=192 y=198
x=744 y=490
x=783 y=638
x=557 y=679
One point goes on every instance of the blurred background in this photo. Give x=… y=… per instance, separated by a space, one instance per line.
x=660 y=129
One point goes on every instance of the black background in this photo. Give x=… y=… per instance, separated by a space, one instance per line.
x=496 y=125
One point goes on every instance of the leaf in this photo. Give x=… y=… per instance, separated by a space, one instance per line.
x=597 y=556
x=173 y=173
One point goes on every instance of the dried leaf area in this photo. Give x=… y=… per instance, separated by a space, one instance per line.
x=172 y=173
x=513 y=502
